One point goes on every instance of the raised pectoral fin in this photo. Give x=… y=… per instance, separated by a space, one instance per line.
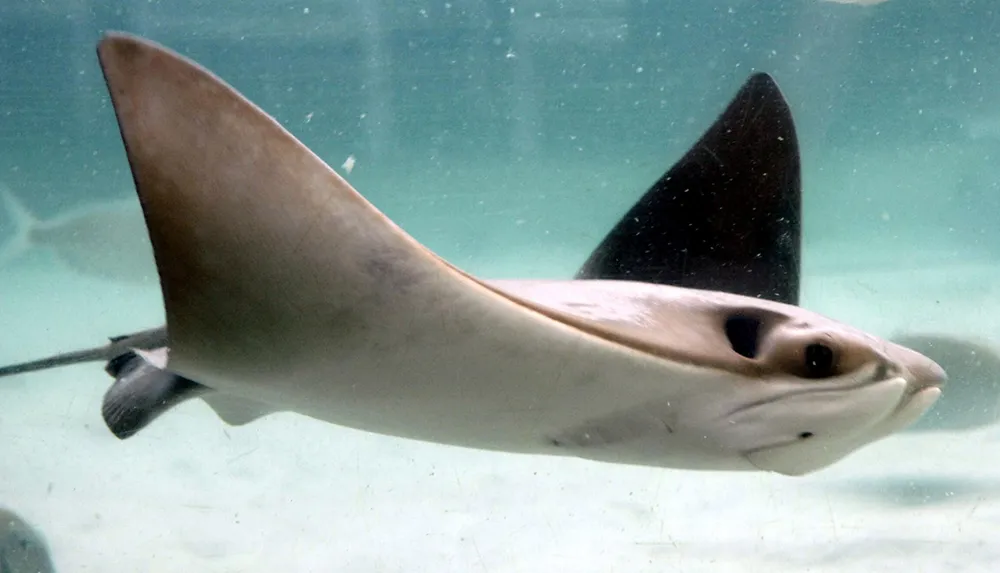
x=726 y=216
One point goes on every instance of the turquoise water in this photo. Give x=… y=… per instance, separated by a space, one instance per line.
x=509 y=137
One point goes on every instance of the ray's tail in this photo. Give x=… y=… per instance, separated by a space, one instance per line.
x=75 y=357
x=143 y=340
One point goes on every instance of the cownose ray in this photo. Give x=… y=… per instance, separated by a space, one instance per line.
x=750 y=152
x=730 y=207
x=283 y=286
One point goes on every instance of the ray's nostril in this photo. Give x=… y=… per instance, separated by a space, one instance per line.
x=883 y=368
x=936 y=375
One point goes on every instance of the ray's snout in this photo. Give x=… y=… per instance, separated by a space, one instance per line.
x=920 y=371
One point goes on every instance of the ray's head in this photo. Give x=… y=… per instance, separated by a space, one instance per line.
x=731 y=382
x=817 y=390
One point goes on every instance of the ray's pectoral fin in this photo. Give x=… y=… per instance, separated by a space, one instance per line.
x=727 y=216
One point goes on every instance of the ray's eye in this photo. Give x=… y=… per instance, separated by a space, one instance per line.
x=819 y=361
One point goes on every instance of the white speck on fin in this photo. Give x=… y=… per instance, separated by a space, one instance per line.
x=348 y=165
x=157 y=357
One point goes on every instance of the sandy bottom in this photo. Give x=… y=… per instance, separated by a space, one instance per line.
x=291 y=494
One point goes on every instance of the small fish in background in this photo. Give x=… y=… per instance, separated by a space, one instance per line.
x=856 y=2
x=975 y=125
x=104 y=240
x=22 y=548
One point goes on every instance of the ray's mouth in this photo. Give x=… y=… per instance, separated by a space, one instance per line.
x=901 y=409
x=880 y=373
x=916 y=396
x=913 y=403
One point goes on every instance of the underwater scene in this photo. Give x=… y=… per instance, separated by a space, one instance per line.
x=499 y=286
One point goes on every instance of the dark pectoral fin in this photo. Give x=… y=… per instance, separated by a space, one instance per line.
x=141 y=392
x=726 y=216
